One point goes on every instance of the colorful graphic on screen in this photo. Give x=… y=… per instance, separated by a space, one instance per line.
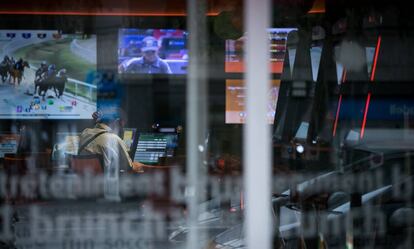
x=235 y=51
x=235 y=101
x=47 y=75
x=152 y=51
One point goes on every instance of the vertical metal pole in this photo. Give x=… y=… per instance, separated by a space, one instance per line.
x=257 y=170
x=196 y=115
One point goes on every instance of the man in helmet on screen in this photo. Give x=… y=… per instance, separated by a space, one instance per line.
x=150 y=62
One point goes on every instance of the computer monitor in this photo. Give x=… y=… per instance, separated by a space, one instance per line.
x=67 y=143
x=129 y=137
x=8 y=144
x=152 y=146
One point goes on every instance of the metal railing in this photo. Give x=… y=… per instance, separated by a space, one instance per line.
x=90 y=89
x=90 y=95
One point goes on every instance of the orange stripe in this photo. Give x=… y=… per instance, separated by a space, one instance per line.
x=337 y=114
x=83 y=13
x=374 y=65
x=241 y=200
x=339 y=104
x=365 y=115
x=343 y=76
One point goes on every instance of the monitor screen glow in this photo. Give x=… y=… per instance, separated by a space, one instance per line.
x=235 y=101
x=234 y=61
x=152 y=146
x=47 y=75
x=8 y=144
x=128 y=137
x=152 y=51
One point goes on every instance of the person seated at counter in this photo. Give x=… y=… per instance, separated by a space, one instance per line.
x=103 y=140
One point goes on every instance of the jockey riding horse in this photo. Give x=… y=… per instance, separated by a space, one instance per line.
x=40 y=75
x=17 y=71
x=52 y=79
x=5 y=68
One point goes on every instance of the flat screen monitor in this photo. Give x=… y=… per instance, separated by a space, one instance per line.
x=152 y=51
x=152 y=146
x=46 y=74
x=128 y=137
x=67 y=143
x=235 y=101
x=234 y=61
x=8 y=144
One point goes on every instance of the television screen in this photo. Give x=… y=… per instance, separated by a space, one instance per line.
x=235 y=51
x=235 y=101
x=8 y=144
x=152 y=51
x=47 y=75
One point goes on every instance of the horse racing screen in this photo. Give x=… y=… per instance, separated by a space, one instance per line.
x=47 y=75
x=152 y=51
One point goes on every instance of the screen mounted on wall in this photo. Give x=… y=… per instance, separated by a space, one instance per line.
x=277 y=41
x=152 y=51
x=47 y=75
x=235 y=101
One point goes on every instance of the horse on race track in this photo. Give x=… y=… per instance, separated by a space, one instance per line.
x=56 y=82
x=4 y=71
x=16 y=72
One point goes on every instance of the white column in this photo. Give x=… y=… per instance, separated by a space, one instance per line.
x=257 y=137
x=196 y=124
